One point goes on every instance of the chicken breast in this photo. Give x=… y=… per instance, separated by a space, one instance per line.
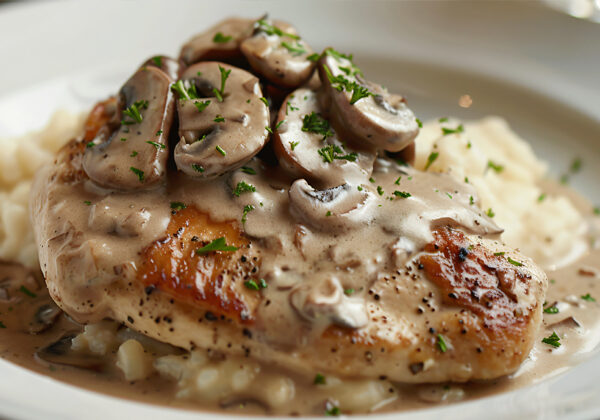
x=412 y=284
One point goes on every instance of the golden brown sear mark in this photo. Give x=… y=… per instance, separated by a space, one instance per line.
x=472 y=277
x=214 y=280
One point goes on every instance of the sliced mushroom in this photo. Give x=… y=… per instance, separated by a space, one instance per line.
x=362 y=110
x=326 y=302
x=276 y=52
x=165 y=63
x=340 y=208
x=45 y=317
x=219 y=136
x=130 y=151
x=220 y=42
x=60 y=353
x=308 y=147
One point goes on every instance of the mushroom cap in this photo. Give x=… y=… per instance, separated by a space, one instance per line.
x=281 y=59
x=224 y=135
x=381 y=118
x=208 y=45
x=336 y=209
x=301 y=151
x=134 y=155
x=165 y=63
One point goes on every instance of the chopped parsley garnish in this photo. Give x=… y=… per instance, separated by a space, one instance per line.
x=446 y=131
x=443 y=119
x=197 y=168
x=494 y=166
x=219 y=118
x=265 y=101
x=220 y=93
x=220 y=150
x=87 y=202
x=588 y=297
x=269 y=129
x=177 y=205
x=157 y=60
x=243 y=187
x=402 y=194
x=553 y=340
x=340 y=83
x=133 y=154
x=372 y=180
x=441 y=343
x=248 y=170
x=338 y=55
x=314 y=123
x=123 y=139
x=466 y=180
x=27 y=292
x=247 y=209
x=597 y=211
x=471 y=200
x=397 y=181
x=269 y=29
x=541 y=198
x=348 y=292
x=134 y=113
x=419 y=123
x=159 y=132
x=279 y=124
x=328 y=213
x=380 y=190
x=515 y=263
x=253 y=285
x=216 y=245
x=314 y=57
x=183 y=92
x=333 y=411
x=201 y=106
x=157 y=145
x=219 y=38
x=138 y=172
x=431 y=158
x=319 y=379
x=499 y=254
x=295 y=50
x=331 y=152
x=551 y=310
x=576 y=165
x=359 y=188
x=90 y=145
x=490 y=213
x=289 y=107
x=449 y=195
x=293 y=144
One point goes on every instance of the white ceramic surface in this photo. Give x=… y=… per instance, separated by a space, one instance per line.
x=521 y=60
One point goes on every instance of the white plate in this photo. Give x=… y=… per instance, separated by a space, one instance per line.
x=525 y=62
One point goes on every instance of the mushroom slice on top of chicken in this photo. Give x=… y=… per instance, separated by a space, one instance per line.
x=308 y=146
x=130 y=151
x=276 y=52
x=222 y=121
x=220 y=42
x=365 y=111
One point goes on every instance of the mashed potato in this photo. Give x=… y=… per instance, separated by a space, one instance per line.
x=506 y=173
x=20 y=158
x=486 y=153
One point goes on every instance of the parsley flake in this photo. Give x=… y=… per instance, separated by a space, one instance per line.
x=314 y=123
x=319 y=379
x=293 y=144
x=133 y=154
x=138 y=172
x=541 y=198
x=243 y=187
x=133 y=112
x=349 y=291
x=331 y=152
x=495 y=167
x=313 y=57
x=218 y=244
x=263 y=26
x=514 y=262
x=90 y=145
x=27 y=292
x=220 y=93
x=177 y=205
x=87 y=202
x=499 y=254
x=402 y=194
x=294 y=50
x=219 y=119
x=247 y=209
x=446 y=131
x=588 y=297
x=419 y=123
x=197 y=168
x=157 y=60
x=248 y=170
x=220 y=150
x=380 y=190
x=201 y=106
x=553 y=340
x=265 y=101
x=490 y=213
x=219 y=38
x=431 y=158
x=551 y=310
x=157 y=145
x=441 y=343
